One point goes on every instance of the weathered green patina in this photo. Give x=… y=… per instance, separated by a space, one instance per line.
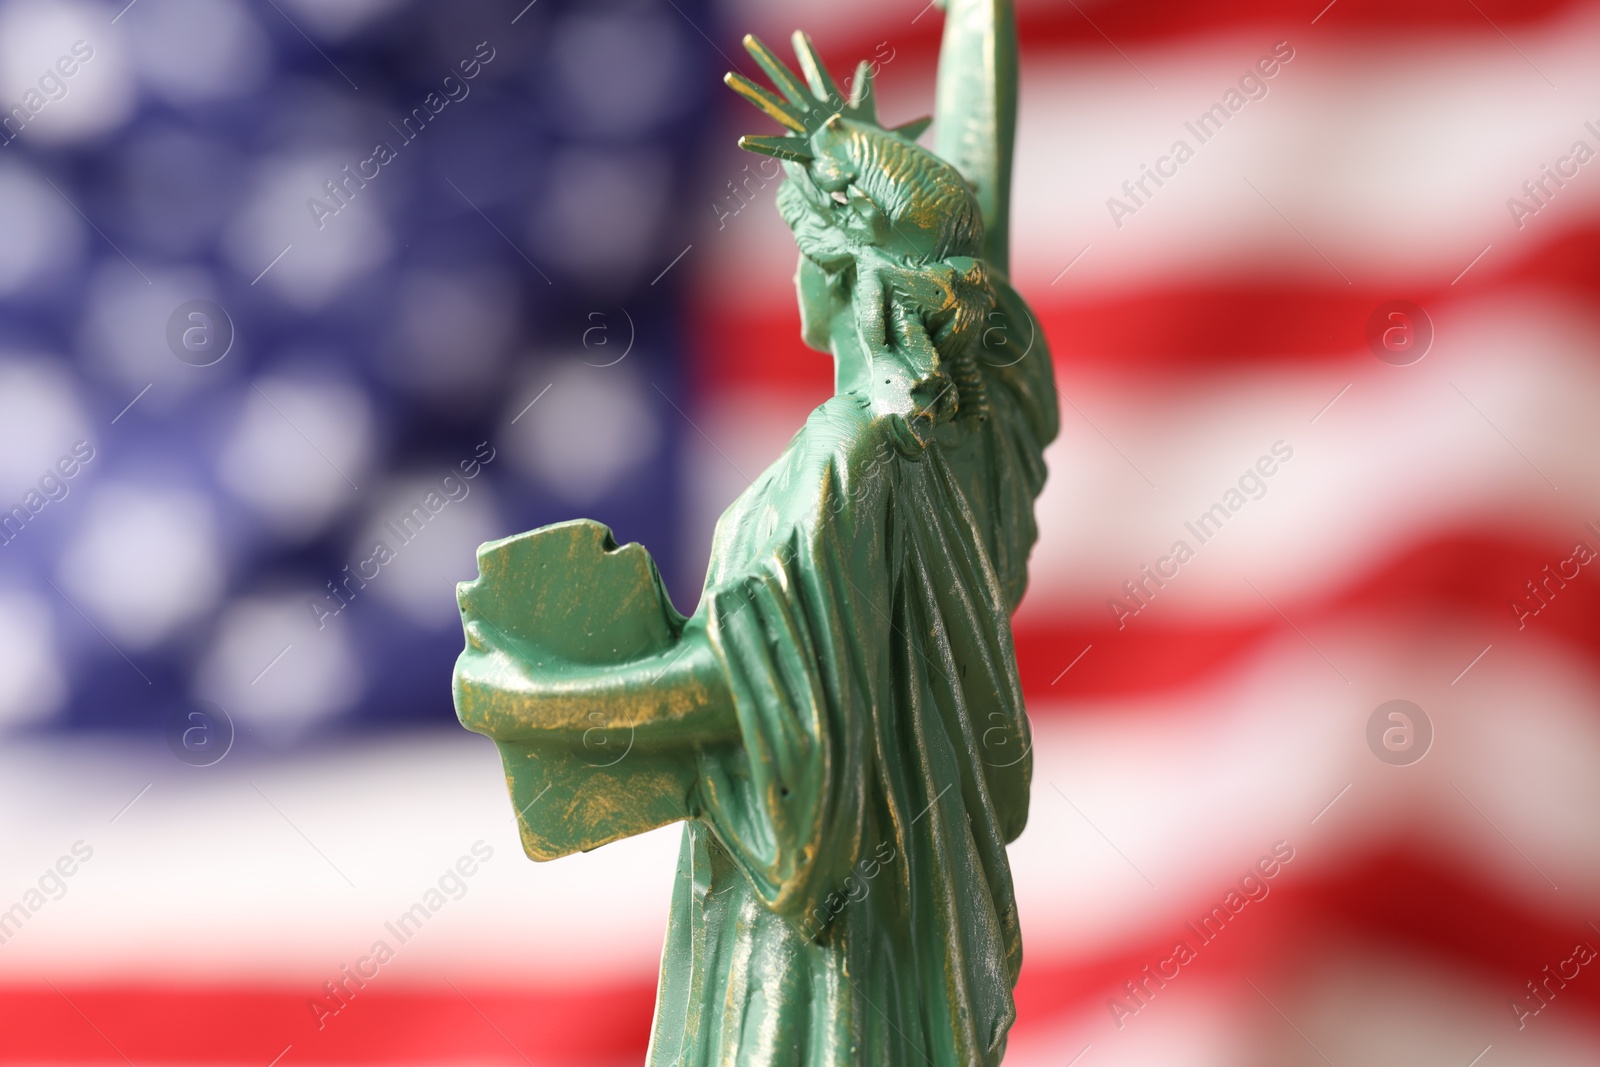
x=840 y=722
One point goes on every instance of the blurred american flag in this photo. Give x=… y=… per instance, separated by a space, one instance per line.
x=1423 y=535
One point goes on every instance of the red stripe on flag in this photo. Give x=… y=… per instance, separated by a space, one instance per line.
x=81 y=1023
x=1396 y=903
x=1466 y=579
x=1056 y=26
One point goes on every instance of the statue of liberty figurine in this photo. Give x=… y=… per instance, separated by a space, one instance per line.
x=839 y=725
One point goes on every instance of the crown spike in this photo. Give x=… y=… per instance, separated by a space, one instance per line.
x=861 y=98
x=791 y=148
x=773 y=107
x=775 y=69
x=809 y=106
x=816 y=74
x=910 y=131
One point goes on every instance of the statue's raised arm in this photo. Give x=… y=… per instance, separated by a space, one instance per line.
x=976 y=111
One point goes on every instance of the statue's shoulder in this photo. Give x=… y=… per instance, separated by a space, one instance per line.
x=835 y=471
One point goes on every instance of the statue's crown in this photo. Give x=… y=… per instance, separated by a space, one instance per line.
x=806 y=107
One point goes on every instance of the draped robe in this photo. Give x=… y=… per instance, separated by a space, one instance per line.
x=843 y=894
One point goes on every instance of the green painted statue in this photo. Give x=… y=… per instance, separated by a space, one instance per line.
x=839 y=724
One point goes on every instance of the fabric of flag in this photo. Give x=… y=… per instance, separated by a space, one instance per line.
x=1309 y=646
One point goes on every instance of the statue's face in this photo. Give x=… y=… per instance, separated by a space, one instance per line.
x=896 y=194
x=830 y=226
x=835 y=147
